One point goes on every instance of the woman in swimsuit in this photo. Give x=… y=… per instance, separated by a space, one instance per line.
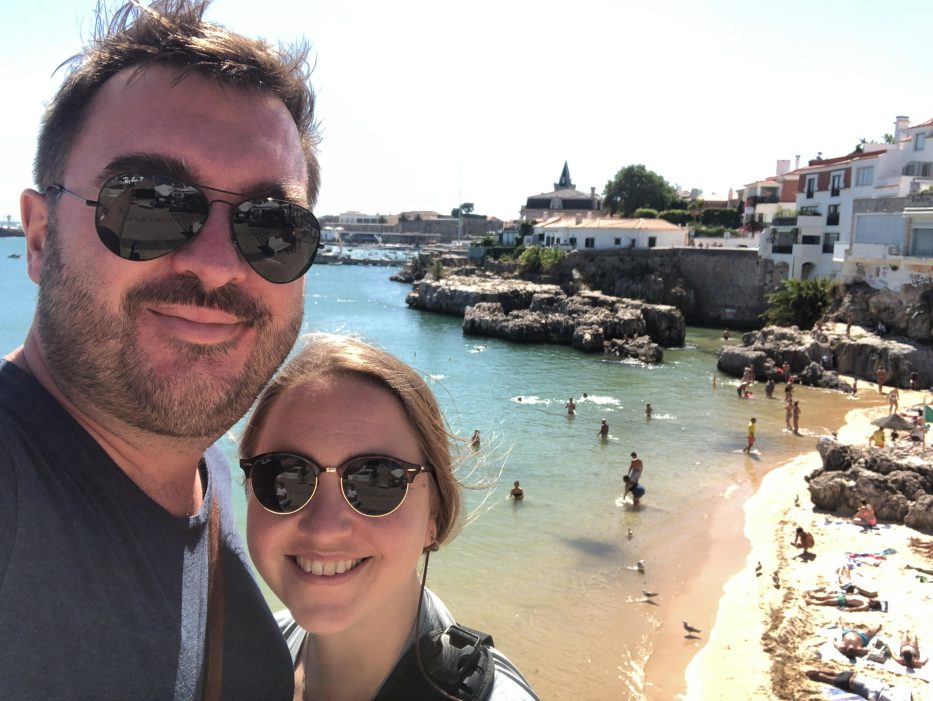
x=854 y=642
x=909 y=654
x=865 y=516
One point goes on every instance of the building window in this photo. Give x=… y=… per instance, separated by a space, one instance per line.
x=811 y=186
x=573 y=241
x=919 y=141
x=652 y=241
x=618 y=242
x=835 y=185
x=589 y=242
x=832 y=215
x=864 y=176
x=829 y=241
x=540 y=238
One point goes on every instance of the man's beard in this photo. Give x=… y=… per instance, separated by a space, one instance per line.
x=96 y=360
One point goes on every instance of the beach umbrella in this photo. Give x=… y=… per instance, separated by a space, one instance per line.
x=894 y=422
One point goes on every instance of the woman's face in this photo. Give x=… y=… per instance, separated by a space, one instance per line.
x=331 y=423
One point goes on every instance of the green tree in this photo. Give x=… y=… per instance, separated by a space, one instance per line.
x=403 y=217
x=888 y=138
x=635 y=186
x=488 y=241
x=646 y=213
x=798 y=302
x=437 y=269
x=696 y=208
x=464 y=210
x=549 y=258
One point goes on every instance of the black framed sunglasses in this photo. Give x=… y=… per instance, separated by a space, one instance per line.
x=373 y=485
x=144 y=217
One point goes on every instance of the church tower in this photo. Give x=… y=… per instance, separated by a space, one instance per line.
x=564 y=183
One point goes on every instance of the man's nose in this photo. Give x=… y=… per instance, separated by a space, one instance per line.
x=211 y=255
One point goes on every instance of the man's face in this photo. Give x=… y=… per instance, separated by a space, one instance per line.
x=180 y=345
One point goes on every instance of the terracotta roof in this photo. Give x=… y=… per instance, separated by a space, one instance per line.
x=928 y=123
x=841 y=159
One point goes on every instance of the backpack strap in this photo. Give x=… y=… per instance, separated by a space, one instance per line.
x=456 y=662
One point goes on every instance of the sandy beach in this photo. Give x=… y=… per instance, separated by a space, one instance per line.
x=765 y=634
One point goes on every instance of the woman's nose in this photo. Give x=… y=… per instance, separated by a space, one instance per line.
x=328 y=516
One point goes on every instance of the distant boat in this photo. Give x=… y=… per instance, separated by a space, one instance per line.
x=14 y=255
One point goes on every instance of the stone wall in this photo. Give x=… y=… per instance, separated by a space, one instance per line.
x=712 y=287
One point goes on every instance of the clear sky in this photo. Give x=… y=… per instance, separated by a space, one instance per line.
x=423 y=105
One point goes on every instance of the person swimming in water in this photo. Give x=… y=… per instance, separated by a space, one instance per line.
x=517 y=492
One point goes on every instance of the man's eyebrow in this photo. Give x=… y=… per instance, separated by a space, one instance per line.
x=149 y=163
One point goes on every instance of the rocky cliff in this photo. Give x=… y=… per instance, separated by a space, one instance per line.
x=898 y=484
x=541 y=313
x=811 y=354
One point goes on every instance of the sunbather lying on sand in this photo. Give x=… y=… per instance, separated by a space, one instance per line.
x=855 y=639
x=821 y=597
x=909 y=653
x=867 y=687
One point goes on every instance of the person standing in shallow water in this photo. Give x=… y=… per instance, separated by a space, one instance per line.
x=571 y=406
x=603 y=431
x=795 y=411
x=750 y=435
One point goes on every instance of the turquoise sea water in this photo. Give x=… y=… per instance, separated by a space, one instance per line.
x=548 y=576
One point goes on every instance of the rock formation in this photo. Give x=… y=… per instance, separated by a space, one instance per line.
x=524 y=311
x=897 y=484
x=813 y=354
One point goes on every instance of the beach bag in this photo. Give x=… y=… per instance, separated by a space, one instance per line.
x=878 y=650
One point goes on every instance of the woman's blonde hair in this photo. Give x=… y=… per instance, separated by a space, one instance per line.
x=325 y=356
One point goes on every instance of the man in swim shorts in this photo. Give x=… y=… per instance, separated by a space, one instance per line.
x=866 y=687
x=634 y=471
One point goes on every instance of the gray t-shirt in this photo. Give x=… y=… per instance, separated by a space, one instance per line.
x=508 y=682
x=103 y=594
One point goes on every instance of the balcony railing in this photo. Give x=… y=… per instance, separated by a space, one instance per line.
x=782 y=248
x=784 y=221
x=832 y=219
x=755 y=200
x=834 y=192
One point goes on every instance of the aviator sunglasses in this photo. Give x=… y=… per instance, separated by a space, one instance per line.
x=144 y=217
x=373 y=485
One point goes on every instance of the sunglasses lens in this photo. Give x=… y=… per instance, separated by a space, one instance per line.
x=282 y=483
x=375 y=486
x=278 y=239
x=145 y=217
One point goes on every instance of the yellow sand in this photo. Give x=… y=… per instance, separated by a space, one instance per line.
x=765 y=636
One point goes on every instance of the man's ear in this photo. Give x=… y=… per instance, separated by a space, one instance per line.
x=34 y=214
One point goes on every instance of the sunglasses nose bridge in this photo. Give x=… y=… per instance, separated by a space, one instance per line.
x=212 y=254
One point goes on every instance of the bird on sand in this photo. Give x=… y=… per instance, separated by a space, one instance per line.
x=776 y=580
x=640 y=566
x=630 y=534
x=690 y=629
x=797 y=500
x=649 y=594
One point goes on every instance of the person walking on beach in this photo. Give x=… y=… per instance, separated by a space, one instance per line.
x=603 y=431
x=750 y=435
x=893 y=398
x=795 y=411
x=882 y=376
x=153 y=333
x=571 y=406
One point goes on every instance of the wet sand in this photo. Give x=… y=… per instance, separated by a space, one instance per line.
x=765 y=636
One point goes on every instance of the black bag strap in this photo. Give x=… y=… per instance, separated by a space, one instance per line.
x=214 y=645
x=456 y=663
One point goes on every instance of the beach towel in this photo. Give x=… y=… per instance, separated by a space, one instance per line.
x=873 y=559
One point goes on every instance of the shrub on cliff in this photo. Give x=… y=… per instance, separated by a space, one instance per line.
x=646 y=213
x=798 y=302
x=534 y=260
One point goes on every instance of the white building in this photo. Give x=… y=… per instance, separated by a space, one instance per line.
x=818 y=237
x=601 y=233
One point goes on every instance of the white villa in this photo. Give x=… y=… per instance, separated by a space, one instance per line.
x=601 y=233
x=858 y=217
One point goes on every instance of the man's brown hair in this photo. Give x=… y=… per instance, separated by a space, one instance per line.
x=173 y=34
